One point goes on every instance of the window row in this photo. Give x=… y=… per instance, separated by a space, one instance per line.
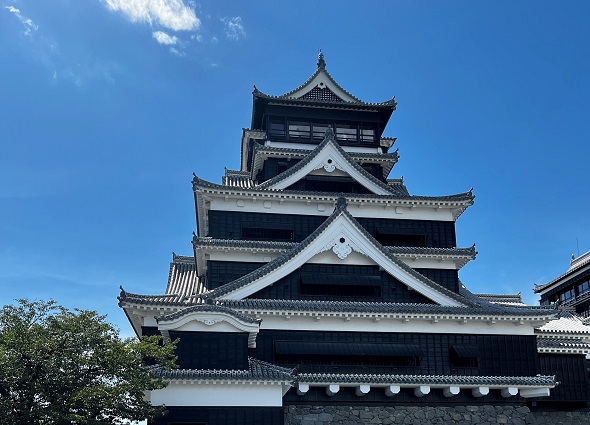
x=281 y=128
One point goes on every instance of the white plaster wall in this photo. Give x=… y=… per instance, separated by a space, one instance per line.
x=187 y=394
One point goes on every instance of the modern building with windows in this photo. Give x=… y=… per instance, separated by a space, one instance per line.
x=317 y=280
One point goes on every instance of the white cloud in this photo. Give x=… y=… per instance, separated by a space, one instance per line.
x=234 y=29
x=163 y=38
x=171 y=14
x=28 y=23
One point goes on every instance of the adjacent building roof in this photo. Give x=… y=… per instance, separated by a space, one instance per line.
x=566 y=322
x=503 y=299
x=576 y=264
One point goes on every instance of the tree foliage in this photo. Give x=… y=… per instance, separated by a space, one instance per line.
x=70 y=367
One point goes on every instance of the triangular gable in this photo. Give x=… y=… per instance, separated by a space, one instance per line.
x=342 y=235
x=323 y=85
x=330 y=157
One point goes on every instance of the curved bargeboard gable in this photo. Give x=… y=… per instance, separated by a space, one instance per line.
x=341 y=235
x=328 y=158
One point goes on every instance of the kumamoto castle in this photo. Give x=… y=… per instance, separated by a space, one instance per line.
x=320 y=291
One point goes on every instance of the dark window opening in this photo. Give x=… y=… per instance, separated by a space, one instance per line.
x=266 y=232
x=346 y=132
x=319 y=130
x=299 y=130
x=367 y=134
x=464 y=356
x=329 y=184
x=349 y=133
x=277 y=128
x=567 y=295
x=344 y=286
x=390 y=237
x=347 y=354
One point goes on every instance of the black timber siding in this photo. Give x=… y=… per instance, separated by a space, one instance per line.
x=228 y=225
x=273 y=167
x=222 y=272
x=437 y=233
x=572 y=375
x=501 y=355
x=221 y=416
x=211 y=350
x=447 y=278
x=391 y=289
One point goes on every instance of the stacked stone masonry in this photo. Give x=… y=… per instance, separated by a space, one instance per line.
x=414 y=415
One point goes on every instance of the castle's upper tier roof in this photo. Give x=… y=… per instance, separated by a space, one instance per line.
x=319 y=90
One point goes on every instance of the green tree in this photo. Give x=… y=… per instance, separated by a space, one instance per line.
x=70 y=367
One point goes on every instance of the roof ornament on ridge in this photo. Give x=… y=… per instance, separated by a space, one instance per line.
x=321 y=60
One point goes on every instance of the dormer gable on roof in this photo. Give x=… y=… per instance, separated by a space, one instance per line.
x=340 y=235
x=329 y=157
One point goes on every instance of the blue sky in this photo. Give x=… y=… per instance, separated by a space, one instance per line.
x=108 y=106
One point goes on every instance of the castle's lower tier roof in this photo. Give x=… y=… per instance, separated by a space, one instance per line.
x=430 y=380
x=258 y=370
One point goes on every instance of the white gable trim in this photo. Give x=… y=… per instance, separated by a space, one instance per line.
x=342 y=237
x=210 y=321
x=322 y=81
x=329 y=158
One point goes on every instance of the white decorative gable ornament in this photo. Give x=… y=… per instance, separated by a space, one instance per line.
x=341 y=248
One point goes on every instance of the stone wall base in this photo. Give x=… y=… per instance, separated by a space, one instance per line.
x=419 y=415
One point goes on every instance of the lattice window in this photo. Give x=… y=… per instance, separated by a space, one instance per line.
x=321 y=94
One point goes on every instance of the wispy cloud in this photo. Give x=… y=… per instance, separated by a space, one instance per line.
x=45 y=51
x=163 y=38
x=27 y=23
x=234 y=29
x=171 y=14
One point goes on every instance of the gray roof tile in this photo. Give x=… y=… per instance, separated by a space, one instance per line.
x=258 y=370
x=520 y=381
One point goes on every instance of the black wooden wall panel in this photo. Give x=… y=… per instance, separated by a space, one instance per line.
x=221 y=416
x=438 y=233
x=228 y=225
x=514 y=355
x=222 y=272
x=211 y=350
x=391 y=289
x=447 y=278
x=571 y=373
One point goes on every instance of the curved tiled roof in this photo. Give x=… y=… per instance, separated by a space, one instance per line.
x=328 y=140
x=238 y=179
x=258 y=370
x=465 y=198
x=488 y=381
x=389 y=158
x=378 y=307
x=564 y=344
x=565 y=323
x=287 y=256
x=502 y=298
x=183 y=278
x=575 y=265
x=242 y=243
x=206 y=308
x=321 y=69
x=126 y=298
